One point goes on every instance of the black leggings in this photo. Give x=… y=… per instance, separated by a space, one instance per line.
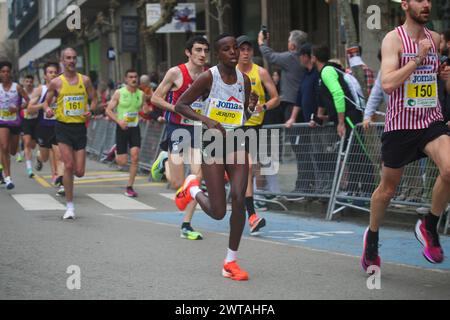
x=215 y=204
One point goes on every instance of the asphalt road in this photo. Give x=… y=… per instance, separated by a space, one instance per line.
x=138 y=254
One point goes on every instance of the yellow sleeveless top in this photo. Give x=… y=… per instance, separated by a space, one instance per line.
x=72 y=101
x=257 y=87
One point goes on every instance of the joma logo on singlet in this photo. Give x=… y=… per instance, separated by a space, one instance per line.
x=423 y=78
x=228 y=105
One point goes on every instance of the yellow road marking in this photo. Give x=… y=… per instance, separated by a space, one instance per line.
x=42 y=181
x=105 y=180
x=97 y=173
x=118 y=186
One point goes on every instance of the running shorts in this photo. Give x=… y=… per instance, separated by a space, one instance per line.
x=401 y=147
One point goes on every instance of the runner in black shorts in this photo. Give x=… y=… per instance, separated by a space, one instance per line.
x=400 y=148
x=73 y=92
x=29 y=126
x=414 y=127
x=261 y=83
x=45 y=132
x=226 y=109
x=129 y=101
x=176 y=81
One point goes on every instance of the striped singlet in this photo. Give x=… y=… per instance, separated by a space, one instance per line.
x=415 y=105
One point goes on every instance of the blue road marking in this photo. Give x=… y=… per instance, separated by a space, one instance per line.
x=396 y=246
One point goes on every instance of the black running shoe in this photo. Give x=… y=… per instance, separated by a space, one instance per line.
x=38 y=165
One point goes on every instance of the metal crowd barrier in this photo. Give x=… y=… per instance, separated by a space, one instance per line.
x=360 y=175
x=309 y=162
x=152 y=134
x=102 y=137
x=97 y=133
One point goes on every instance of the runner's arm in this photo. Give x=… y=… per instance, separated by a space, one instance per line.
x=53 y=87
x=159 y=96
x=197 y=89
x=271 y=89
x=33 y=106
x=92 y=94
x=24 y=95
x=251 y=98
x=145 y=107
x=113 y=105
x=392 y=77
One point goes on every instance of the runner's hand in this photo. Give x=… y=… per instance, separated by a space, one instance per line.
x=49 y=112
x=211 y=124
x=254 y=98
x=161 y=120
x=12 y=109
x=424 y=47
x=259 y=108
x=122 y=124
x=87 y=114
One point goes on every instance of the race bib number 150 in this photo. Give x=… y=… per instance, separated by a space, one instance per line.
x=421 y=91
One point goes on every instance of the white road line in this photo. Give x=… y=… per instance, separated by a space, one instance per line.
x=38 y=202
x=119 y=202
x=170 y=196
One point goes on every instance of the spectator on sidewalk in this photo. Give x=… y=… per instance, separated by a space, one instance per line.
x=154 y=113
x=342 y=111
x=291 y=70
x=377 y=98
x=306 y=105
x=355 y=60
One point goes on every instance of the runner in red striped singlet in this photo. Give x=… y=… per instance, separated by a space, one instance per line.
x=414 y=126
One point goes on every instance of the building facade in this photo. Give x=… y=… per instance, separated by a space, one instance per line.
x=109 y=39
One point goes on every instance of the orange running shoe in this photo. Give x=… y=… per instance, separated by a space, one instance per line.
x=183 y=195
x=255 y=222
x=233 y=271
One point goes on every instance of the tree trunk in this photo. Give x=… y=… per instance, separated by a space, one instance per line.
x=149 y=33
x=86 y=56
x=220 y=9
x=151 y=54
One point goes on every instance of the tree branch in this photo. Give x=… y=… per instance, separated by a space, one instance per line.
x=167 y=10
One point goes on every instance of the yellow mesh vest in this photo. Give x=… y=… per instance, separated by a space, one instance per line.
x=72 y=101
x=257 y=87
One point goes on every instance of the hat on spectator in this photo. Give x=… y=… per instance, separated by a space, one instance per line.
x=306 y=49
x=244 y=39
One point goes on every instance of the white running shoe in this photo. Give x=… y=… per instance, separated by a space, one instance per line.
x=70 y=214
x=61 y=191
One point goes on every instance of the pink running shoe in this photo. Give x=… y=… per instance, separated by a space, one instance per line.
x=131 y=193
x=370 y=255
x=432 y=250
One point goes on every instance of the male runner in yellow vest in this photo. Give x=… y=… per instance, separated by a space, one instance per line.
x=72 y=90
x=261 y=82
